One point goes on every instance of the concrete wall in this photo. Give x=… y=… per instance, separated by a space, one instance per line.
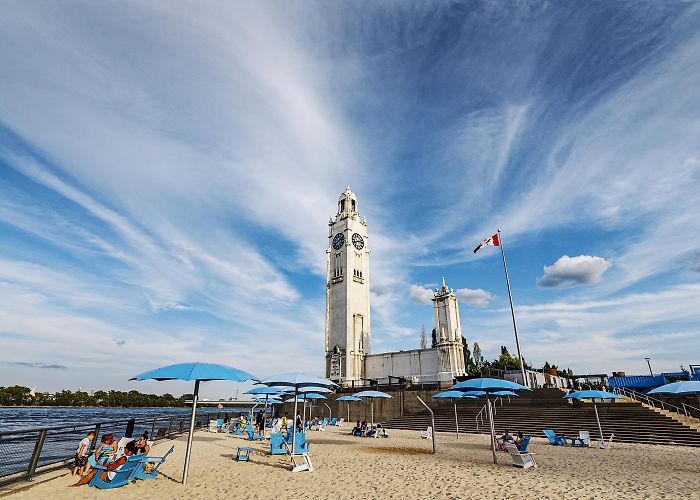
x=403 y=402
x=417 y=365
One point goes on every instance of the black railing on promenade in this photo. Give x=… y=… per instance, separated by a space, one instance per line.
x=26 y=452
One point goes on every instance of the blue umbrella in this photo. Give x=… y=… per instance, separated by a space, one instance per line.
x=372 y=395
x=268 y=392
x=683 y=387
x=593 y=395
x=503 y=393
x=199 y=372
x=489 y=386
x=348 y=399
x=454 y=396
x=297 y=381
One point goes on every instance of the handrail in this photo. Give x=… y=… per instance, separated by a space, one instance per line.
x=638 y=396
x=483 y=410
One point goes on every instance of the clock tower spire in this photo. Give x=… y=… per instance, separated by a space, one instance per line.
x=347 y=292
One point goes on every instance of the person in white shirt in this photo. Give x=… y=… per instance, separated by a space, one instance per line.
x=81 y=455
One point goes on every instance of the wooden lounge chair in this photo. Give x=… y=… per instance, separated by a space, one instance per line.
x=153 y=473
x=252 y=436
x=522 y=447
x=427 y=434
x=554 y=440
x=121 y=476
x=278 y=445
x=523 y=460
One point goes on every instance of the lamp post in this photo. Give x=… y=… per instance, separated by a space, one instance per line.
x=648 y=360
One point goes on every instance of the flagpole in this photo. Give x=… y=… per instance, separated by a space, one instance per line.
x=512 y=311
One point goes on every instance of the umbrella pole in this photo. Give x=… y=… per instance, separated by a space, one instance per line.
x=493 y=430
x=600 y=429
x=294 y=424
x=456 y=421
x=189 y=437
x=348 y=412
x=372 y=411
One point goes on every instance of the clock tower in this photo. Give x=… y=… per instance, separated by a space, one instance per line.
x=347 y=293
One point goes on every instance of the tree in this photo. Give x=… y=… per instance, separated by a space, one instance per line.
x=469 y=364
x=423 y=338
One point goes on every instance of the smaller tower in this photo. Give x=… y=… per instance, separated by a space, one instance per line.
x=448 y=331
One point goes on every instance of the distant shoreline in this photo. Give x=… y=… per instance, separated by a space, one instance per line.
x=103 y=407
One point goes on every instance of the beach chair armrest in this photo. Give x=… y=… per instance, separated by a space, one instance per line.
x=100 y=467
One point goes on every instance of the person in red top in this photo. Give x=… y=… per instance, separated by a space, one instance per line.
x=129 y=450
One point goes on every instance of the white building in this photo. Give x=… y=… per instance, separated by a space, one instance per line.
x=349 y=359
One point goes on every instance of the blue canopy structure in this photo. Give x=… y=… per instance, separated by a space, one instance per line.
x=683 y=387
x=298 y=381
x=199 y=372
x=454 y=396
x=593 y=395
x=489 y=386
x=372 y=395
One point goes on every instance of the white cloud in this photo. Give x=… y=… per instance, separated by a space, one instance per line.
x=420 y=294
x=571 y=271
x=476 y=297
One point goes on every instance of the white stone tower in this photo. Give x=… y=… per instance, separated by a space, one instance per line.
x=448 y=331
x=347 y=293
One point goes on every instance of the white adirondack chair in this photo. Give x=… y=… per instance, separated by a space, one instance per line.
x=427 y=434
x=524 y=460
x=213 y=426
x=340 y=422
x=585 y=436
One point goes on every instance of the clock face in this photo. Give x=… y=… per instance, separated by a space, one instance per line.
x=358 y=241
x=338 y=241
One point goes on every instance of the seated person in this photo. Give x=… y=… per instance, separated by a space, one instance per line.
x=519 y=439
x=142 y=447
x=371 y=432
x=108 y=475
x=383 y=433
x=505 y=438
x=108 y=447
x=356 y=430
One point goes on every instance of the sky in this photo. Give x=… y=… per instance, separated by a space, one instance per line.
x=168 y=169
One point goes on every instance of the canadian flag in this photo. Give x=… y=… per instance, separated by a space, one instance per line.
x=493 y=240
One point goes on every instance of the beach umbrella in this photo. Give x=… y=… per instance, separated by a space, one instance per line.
x=199 y=372
x=348 y=399
x=489 y=386
x=683 y=387
x=307 y=396
x=452 y=396
x=268 y=392
x=297 y=381
x=372 y=395
x=593 y=395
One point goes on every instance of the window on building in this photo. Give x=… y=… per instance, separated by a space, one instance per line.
x=337 y=266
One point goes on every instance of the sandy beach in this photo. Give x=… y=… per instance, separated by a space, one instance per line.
x=403 y=467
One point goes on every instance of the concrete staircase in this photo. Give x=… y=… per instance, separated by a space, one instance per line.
x=546 y=409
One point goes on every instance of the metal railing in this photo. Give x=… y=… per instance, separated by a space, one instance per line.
x=655 y=403
x=481 y=416
x=27 y=452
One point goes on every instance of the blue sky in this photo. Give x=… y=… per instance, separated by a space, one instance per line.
x=167 y=174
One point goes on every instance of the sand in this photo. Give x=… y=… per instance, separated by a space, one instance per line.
x=403 y=467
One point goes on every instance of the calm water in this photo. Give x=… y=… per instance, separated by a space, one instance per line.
x=16 y=449
x=12 y=418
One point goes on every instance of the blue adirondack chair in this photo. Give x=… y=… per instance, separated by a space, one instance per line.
x=554 y=440
x=325 y=422
x=237 y=429
x=121 y=476
x=334 y=421
x=141 y=472
x=278 y=444
x=300 y=444
x=523 y=445
x=252 y=436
